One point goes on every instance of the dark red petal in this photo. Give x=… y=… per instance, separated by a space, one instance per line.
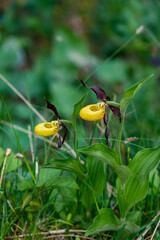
x=116 y=111
x=107 y=130
x=105 y=118
x=106 y=136
x=59 y=141
x=53 y=108
x=65 y=132
x=101 y=95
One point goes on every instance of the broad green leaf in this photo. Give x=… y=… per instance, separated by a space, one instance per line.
x=95 y=182
x=105 y=221
x=87 y=197
x=50 y=178
x=77 y=108
x=68 y=164
x=135 y=189
x=136 y=186
x=1 y=156
x=144 y=161
x=155 y=179
x=45 y=174
x=130 y=227
x=12 y=163
x=59 y=182
x=34 y=206
x=102 y=153
x=134 y=217
x=96 y=174
x=123 y=173
x=130 y=92
x=25 y=184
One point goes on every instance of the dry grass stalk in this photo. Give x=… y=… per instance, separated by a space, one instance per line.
x=8 y=151
x=148 y=227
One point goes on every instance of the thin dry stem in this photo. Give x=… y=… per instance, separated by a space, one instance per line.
x=22 y=97
x=8 y=151
x=31 y=142
x=155 y=229
x=53 y=232
x=148 y=227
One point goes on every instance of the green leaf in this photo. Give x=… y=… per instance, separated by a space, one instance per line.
x=136 y=186
x=123 y=173
x=68 y=164
x=105 y=221
x=1 y=156
x=130 y=92
x=95 y=182
x=135 y=190
x=34 y=206
x=12 y=163
x=45 y=174
x=102 y=153
x=59 y=182
x=96 y=174
x=77 y=108
x=130 y=227
x=134 y=217
x=144 y=161
x=25 y=184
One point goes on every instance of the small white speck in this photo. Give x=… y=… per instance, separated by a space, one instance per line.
x=139 y=30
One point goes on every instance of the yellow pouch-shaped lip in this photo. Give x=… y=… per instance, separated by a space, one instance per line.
x=47 y=128
x=92 y=112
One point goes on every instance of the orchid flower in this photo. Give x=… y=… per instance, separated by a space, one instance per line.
x=46 y=129
x=97 y=111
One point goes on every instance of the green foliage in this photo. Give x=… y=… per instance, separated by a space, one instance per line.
x=44 y=47
x=105 y=221
x=1 y=156
x=96 y=174
x=50 y=178
x=95 y=182
x=68 y=164
x=25 y=184
x=130 y=92
x=136 y=187
x=144 y=161
x=12 y=163
x=77 y=108
x=102 y=153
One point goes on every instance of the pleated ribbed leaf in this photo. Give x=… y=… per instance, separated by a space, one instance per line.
x=109 y=156
x=144 y=161
x=68 y=164
x=105 y=221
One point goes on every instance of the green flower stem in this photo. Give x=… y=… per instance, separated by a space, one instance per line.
x=65 y=121
x=112 y=103
x=120 y=162
x=123 y=214
x=119 y=140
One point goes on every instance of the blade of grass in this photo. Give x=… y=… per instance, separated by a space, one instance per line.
x=25 y=160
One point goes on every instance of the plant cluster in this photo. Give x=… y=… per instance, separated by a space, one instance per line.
x=77 y=182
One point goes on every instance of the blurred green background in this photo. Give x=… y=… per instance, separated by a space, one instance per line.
x=45 y=45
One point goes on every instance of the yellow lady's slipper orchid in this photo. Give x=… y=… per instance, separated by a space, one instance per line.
x=96 y=112
x=47 y=128
x=93 y=112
